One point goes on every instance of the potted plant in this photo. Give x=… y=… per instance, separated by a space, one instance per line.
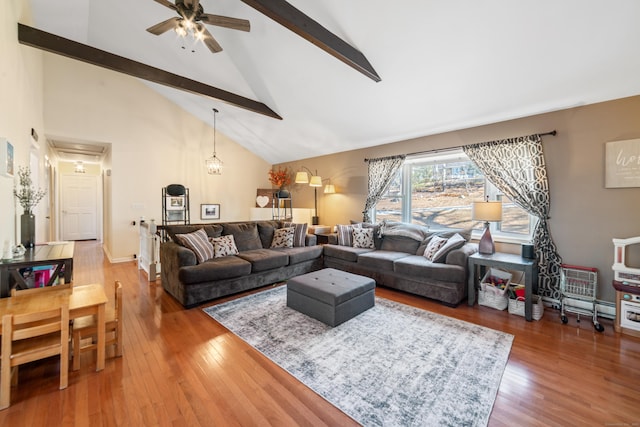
x=28 y=197
x=280 y=178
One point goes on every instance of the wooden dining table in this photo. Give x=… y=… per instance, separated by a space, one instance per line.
x=83 y=300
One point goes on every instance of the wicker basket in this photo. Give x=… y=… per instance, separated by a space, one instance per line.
x=492 y=296
x=489 y=298
x=516 y=306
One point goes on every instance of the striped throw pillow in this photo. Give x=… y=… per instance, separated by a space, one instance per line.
x=198 y=242
x=300 y=233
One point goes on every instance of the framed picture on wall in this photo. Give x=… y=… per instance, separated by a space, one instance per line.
x=210 y=211
x=6 y=158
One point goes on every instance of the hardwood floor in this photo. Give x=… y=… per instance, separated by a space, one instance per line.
x=181 y=368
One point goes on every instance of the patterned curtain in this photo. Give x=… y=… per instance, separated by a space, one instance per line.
x=381 y=173
x=517 y=167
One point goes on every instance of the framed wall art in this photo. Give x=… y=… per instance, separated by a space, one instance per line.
x=622 y=164
x=6 y=158
x=210 y=211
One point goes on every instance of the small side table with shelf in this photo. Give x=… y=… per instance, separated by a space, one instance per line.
x=508 y=262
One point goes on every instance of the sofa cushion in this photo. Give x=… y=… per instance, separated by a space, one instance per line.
x=418 y=266
x=266 y=230
x=245 y=234
x=215 y=269
x=380 y=259
x=454 y=242
x=224 y=246
x=198 y=242
x=299 y=234
x=283 y=238
x=264 y=259
x=346 y=253
x=399 y=244
x=298 y=255
x=363 y=238
x=212 y=230
x=433 y=247
x=465 y=233
x=345 y=234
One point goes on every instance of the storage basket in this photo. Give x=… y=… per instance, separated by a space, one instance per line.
x=493 y=300
x=516 y=306
x=491 y=295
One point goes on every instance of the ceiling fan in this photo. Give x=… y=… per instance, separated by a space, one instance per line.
x=191 y=21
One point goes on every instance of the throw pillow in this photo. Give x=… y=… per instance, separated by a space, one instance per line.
x=454 y=242
x=224 y=246
x=299 y=234
x=363 y=238
x=198 y=242
x=345 y=234
x=283 y=238
x=434 y=245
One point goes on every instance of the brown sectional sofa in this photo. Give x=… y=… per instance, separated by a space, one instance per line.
x=397 y=261
x=256 y=264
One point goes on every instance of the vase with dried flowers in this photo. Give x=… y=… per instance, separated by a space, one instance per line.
x=280 y=178
x=28 y=197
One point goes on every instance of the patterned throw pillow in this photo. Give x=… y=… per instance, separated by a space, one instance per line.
x=454 y=242
x=283 y=238
x=434 y=245
x=345 y=234
x=300 y=233
x=224 y=246
x=198 y=242
x=363 y=238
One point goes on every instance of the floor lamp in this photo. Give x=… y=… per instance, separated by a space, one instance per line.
x=488 y=212
x=316 y=181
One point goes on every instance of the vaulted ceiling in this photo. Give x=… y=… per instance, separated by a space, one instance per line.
x=443 y=65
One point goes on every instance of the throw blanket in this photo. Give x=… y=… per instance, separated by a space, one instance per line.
x=413 y=231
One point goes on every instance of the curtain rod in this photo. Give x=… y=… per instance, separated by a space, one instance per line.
x=552 y=133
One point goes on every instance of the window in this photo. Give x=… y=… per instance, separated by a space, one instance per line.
x=437 y=190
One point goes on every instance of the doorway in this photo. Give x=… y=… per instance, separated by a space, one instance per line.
x=78 y=207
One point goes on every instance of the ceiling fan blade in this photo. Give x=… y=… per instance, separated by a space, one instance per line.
x=225 y=21
x=167 y=4
x=208 y=39
x=163 y=26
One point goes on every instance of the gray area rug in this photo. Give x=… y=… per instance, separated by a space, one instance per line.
x=393 y=365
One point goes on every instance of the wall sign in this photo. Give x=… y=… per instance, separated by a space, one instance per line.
x=622 y=164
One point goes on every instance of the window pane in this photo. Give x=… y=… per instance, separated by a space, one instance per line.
x=390 y=206
x=442 y=193
x=514 y=218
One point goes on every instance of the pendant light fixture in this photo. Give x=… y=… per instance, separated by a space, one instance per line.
x=214 y=164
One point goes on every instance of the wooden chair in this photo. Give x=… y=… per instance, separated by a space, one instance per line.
x=31 y=291
x=33 y=336
x=85 y=328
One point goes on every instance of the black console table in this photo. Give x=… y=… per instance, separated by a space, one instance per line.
x=508 y=262
x=57 y=254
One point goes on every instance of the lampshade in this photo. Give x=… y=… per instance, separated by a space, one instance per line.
x=302 y=178
x=329 y=189
x=316 y=181
x=486 y=211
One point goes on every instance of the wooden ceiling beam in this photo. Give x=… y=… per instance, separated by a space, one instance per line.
x=39 y=39
x=296 y=21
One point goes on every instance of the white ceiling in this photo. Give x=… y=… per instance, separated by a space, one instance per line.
x=445 y=64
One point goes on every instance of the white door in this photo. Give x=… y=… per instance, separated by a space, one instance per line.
x=78 y=195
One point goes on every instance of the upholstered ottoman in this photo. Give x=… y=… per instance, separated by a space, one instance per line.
x=331 y=296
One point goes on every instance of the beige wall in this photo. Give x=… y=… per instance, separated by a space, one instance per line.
x=585 y=215
x=154 y=143
x=20 y=111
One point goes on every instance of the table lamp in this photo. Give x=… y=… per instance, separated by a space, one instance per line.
x=486 y=211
